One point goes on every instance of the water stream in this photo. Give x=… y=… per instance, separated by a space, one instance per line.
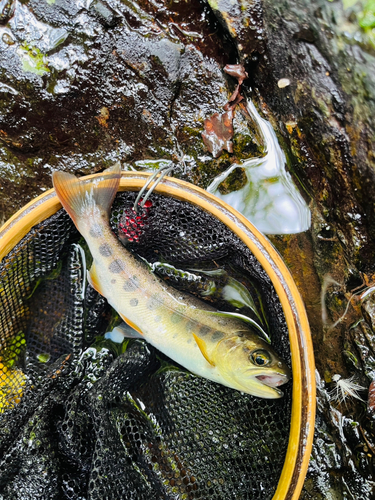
x=269 y=199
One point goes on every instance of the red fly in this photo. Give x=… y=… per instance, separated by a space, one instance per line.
x=131 y=225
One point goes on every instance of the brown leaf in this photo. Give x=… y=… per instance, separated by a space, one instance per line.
x=218 y=129
x=235 y=98
x=237 y=71
x=218 y=133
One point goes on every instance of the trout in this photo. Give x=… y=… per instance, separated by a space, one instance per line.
x=207 y=342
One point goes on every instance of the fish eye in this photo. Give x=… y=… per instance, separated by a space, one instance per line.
x=260 y=357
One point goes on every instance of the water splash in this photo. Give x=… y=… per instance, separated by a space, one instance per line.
x=269 y=199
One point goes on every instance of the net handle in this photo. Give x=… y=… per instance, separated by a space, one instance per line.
x=303 y=365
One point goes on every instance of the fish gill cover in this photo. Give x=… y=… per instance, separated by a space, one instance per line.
x=103 y=420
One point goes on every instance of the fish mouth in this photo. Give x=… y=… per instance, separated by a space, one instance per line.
x=273 y=381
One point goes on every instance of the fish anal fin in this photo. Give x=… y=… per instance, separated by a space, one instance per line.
x=93 y=279
x=124 y=331
x=203 y=348
x=131 y=324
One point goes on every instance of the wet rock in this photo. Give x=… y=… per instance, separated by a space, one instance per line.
x=84 y=85
x=368 y=307
x=333 y=111
x=340 y=463
x=6 y=10
x=326 y=119
x=243 y=21
x=363 y=356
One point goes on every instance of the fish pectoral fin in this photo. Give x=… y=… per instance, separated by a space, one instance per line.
x=203 y=348
x=93 y=279
x=131 y=324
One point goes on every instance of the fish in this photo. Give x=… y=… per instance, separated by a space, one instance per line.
x=212 y=344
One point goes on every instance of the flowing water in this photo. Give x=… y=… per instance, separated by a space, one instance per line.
x=269 y=199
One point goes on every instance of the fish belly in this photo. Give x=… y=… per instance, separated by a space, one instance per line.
x=165 y=317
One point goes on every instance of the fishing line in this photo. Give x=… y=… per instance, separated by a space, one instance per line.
x=163 y=171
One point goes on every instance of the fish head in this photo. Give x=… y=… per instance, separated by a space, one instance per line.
x=250 y=365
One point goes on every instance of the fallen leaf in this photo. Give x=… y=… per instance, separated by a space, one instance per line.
x=218 y=133
x=218 y=129
x=237 y=71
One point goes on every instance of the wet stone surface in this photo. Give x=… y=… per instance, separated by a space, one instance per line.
x=326 y=118
x=83 y=84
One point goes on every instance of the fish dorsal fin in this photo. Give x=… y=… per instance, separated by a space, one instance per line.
x=246 y=319
x=203 y=348
x=93 y=279
x=131 y=324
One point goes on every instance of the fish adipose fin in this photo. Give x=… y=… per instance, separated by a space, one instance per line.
x=82 y=198
x=203 y=348
x=131 y=324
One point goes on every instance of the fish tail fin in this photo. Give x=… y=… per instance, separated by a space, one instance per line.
x=85 y=199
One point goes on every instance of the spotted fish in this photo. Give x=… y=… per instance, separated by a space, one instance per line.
x=214 y=345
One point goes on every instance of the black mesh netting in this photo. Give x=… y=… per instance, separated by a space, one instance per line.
x=80 y=419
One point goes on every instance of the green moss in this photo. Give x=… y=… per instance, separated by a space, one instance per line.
x=209 y=168
x=235 y=181
x=214 y=4
x=362 y=16
x=291 y=161
x=33 y=60
x=366 y=17
x=247 y=143
x=148 y=165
